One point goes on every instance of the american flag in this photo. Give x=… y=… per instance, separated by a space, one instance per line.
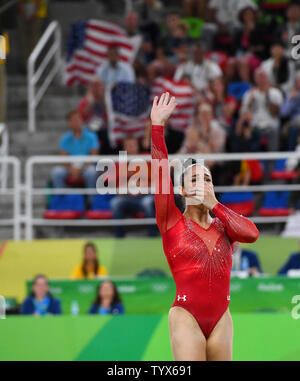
x=185 y=98
x=87 y=47
x=128 y=108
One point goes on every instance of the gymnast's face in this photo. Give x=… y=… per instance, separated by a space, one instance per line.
x=195 y=180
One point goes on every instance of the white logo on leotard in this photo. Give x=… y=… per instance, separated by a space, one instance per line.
x=228 y=297
x=181 y=298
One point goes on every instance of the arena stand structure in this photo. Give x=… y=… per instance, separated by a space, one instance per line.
x=30 y=139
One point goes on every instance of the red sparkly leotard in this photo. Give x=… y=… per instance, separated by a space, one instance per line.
x=199 y=259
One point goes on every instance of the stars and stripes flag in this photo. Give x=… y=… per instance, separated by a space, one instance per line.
x=182 y=117
x=87 y=46
x=128 y=109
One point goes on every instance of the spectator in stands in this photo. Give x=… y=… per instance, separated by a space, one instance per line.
x=222 y=19
x=195 y=8
x=78 y=141
x=178 y=37
x=243 y=137
x=245 y=260
x=150 y=14
x=199 y=69
x=293 y=263
x=32 y=15
x=180 y=53
x=212 y=137
x=90 y=267
x=133 y=31
x=264 y=101
x=92 y=106
x=225 y=15
x=4 y=49
x=93 y=112
x=170 y=22
x=193 y=144
x=114 y=70
x=290 y=110
x=40 y=302
x=131 y=24
x=291 y=27
x=108 y=300
x=124 y=204
x=249 y=46
x=211 y=132
x=280 y=70
x=224 y=105
x=160 y=66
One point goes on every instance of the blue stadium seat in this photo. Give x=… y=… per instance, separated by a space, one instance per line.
x=238 y=89
x=69 y=206
x=239 y=202
x=275 y=204
x=280 y=172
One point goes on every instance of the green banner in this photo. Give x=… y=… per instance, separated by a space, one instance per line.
x=156 y=295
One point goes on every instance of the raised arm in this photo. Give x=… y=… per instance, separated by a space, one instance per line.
x=238 y=228
x=167 y=214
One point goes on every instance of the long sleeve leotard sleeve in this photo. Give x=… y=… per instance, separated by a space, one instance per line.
x=167 y=214
x=237 y=227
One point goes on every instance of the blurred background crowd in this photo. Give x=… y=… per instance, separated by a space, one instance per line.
x=232 y=64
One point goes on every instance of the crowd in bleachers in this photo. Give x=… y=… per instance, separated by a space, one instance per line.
x=237 y=58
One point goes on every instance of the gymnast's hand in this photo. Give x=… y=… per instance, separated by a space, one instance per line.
x=209 y=200
x=162 y=108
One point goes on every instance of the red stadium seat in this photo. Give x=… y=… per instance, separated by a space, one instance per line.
x=71 y=182
x=62 y=214
x=283 y=175
x=98 y=214
x=138 y=215
x=246 y=208
x=107 y=214
x=273 y=212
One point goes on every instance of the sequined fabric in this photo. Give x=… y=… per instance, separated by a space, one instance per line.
x=200 y=259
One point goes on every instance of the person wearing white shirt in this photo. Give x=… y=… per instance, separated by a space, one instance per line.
x=114 y=70
x=200 y=71
x=280 y=70
x=226 y=12
x=263 y=102
x=223 y=15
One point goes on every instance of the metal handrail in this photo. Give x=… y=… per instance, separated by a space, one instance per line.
x=16 y=192
x=34 y=97
x=30 y=221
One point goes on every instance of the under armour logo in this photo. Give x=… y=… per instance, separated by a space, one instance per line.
x=228 y=297
x=181 y=298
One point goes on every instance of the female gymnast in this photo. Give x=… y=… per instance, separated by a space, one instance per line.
x=199 y=250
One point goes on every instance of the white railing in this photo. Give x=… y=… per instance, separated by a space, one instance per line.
x=34 y=74
x=15 y=192
x=35 y=161
x=4 y=144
